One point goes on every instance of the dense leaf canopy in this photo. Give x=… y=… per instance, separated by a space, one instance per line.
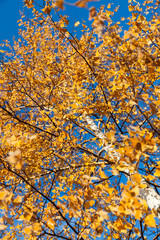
x=80 y=126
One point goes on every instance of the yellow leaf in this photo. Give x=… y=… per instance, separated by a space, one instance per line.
x=110 y=190
x=131 y=8
x=137 y=178
x=135 y=190
x=126 y=35
x=138 y=214
x=115 y=235
x=121 y=209
x=19 y=165
x=92 y=202
x=17 y=200
x=110 y=136
x=115 y=172
x=157 y=173
x=27 y=216
x=148 y=136
x=113 y=208
x=149 y=177
x=51 y=223
x=150 y=221
x=120 y=225
x=77 y=24
x=28 y=230
x=37 y=227
x=143 y=185
x=102 y=174
x=2 y=194
x=131 y=102
x=128 y=225
x=121 y=167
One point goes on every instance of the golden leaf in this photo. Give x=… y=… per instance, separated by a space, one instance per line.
x=17 y=200
x=150 y=221
x=27 y=216
x=110 y=190
x=131 y=8
x=137 y=214
x=135 y=190
x=157 y=173
x=37 y=227
x=131 y=102
x=149 y=177
x=28 y=230
x=3 y=194
x=102 y=174
x=137 y=177
x=51 y=223
x=65 y=101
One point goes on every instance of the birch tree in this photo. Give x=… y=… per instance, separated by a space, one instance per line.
x=80 y=126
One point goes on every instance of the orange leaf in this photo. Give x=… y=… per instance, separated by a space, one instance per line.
x=46 y=9
x=59 y=4
x=51 y=223
x=92 y=13
x=99 y=230
x=29 y=3
x=81 y=4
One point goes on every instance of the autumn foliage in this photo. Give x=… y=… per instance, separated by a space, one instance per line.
x=80 y=126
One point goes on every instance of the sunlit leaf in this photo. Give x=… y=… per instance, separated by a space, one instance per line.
x=150 y=221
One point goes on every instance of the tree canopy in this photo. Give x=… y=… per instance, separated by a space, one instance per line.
x=80 y=126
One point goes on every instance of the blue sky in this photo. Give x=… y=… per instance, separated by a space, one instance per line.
x=10 y=14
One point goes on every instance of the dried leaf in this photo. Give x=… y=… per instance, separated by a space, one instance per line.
x=92 y=13
x=47 y=9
